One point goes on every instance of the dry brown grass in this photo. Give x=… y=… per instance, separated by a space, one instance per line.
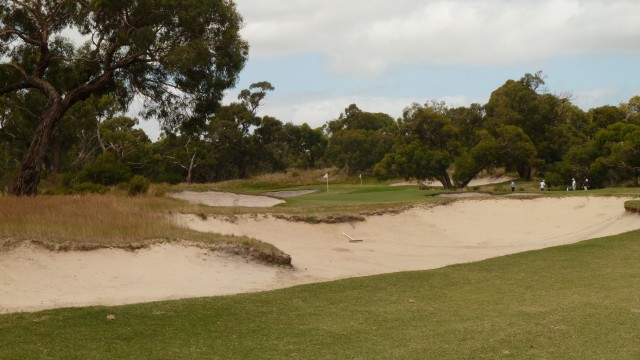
x=103 y=219
x=97 y=221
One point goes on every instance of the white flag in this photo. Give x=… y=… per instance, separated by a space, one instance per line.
x=325 y=176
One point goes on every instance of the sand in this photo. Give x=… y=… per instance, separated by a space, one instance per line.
x=216 y=198
x=420 y=238
x=474 y=182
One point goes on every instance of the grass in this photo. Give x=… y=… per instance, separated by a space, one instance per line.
x=346 y=199
x=570 y=302
x=99 y=221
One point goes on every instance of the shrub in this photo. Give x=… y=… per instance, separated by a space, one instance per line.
x=87 y=187
x=138 y=185
x=105 y=170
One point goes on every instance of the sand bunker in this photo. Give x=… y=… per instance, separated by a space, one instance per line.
x=421 y=238
x=474 y=182
x=215 y=198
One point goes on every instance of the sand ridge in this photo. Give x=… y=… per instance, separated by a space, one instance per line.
x=421 y=238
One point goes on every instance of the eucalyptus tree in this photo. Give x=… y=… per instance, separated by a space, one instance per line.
x=179 y=55
x=231 y=131
x=620 y=143
x=358 y=139
x=551 y=122
x=308 y=145
x=426 y=147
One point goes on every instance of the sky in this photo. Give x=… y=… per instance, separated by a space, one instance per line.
x=382 y=55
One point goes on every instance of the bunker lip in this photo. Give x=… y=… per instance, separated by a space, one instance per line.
x=421 y=238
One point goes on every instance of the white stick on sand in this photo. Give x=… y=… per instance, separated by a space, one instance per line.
x=350 y=238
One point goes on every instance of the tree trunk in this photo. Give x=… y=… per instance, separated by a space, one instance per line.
x=524 y=171
x=445 y=180
x=56 y=158
x=26 y=182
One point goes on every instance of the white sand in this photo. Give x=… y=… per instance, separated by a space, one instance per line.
x=421 y=238
x=215 y=198
x=474 y=182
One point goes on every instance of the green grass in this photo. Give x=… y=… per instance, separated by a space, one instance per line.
x=340 y=195
x=579 y=301
x=343 y=201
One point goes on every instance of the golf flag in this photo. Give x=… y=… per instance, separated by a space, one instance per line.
x=326 y=177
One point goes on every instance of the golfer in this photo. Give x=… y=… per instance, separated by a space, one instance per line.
x=542 y=185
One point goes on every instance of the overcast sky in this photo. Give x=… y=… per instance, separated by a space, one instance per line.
x=383 y=55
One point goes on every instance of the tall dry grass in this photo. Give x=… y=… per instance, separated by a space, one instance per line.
x=97 y=221
x=88 y=219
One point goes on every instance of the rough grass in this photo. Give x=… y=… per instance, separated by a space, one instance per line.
x=99 y=221
x=570 y=302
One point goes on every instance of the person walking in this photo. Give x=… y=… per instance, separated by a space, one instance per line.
x=542 y=185
x=585 y=184
x=573 y=184
x=513 y=186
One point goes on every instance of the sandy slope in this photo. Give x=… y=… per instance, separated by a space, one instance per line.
x=422 y=238
x=474 y=182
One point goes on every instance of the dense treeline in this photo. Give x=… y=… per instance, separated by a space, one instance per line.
x=521 y=129
x=62 y=104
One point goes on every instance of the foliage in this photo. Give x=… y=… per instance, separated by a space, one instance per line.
x=105 y=170
x=358 y=140
x=523 y=128
x=138 y=185
x=178 y=55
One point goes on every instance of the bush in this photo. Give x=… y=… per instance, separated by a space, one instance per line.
x=138 y=185
x=105 y=170
x=82 y=188
x=87 y=187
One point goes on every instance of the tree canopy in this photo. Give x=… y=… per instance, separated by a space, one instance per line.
x=178 y=55
x=63 y=102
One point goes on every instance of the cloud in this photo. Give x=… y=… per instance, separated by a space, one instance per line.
x=316 y=112
x=596 y=97
x=367 y=38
